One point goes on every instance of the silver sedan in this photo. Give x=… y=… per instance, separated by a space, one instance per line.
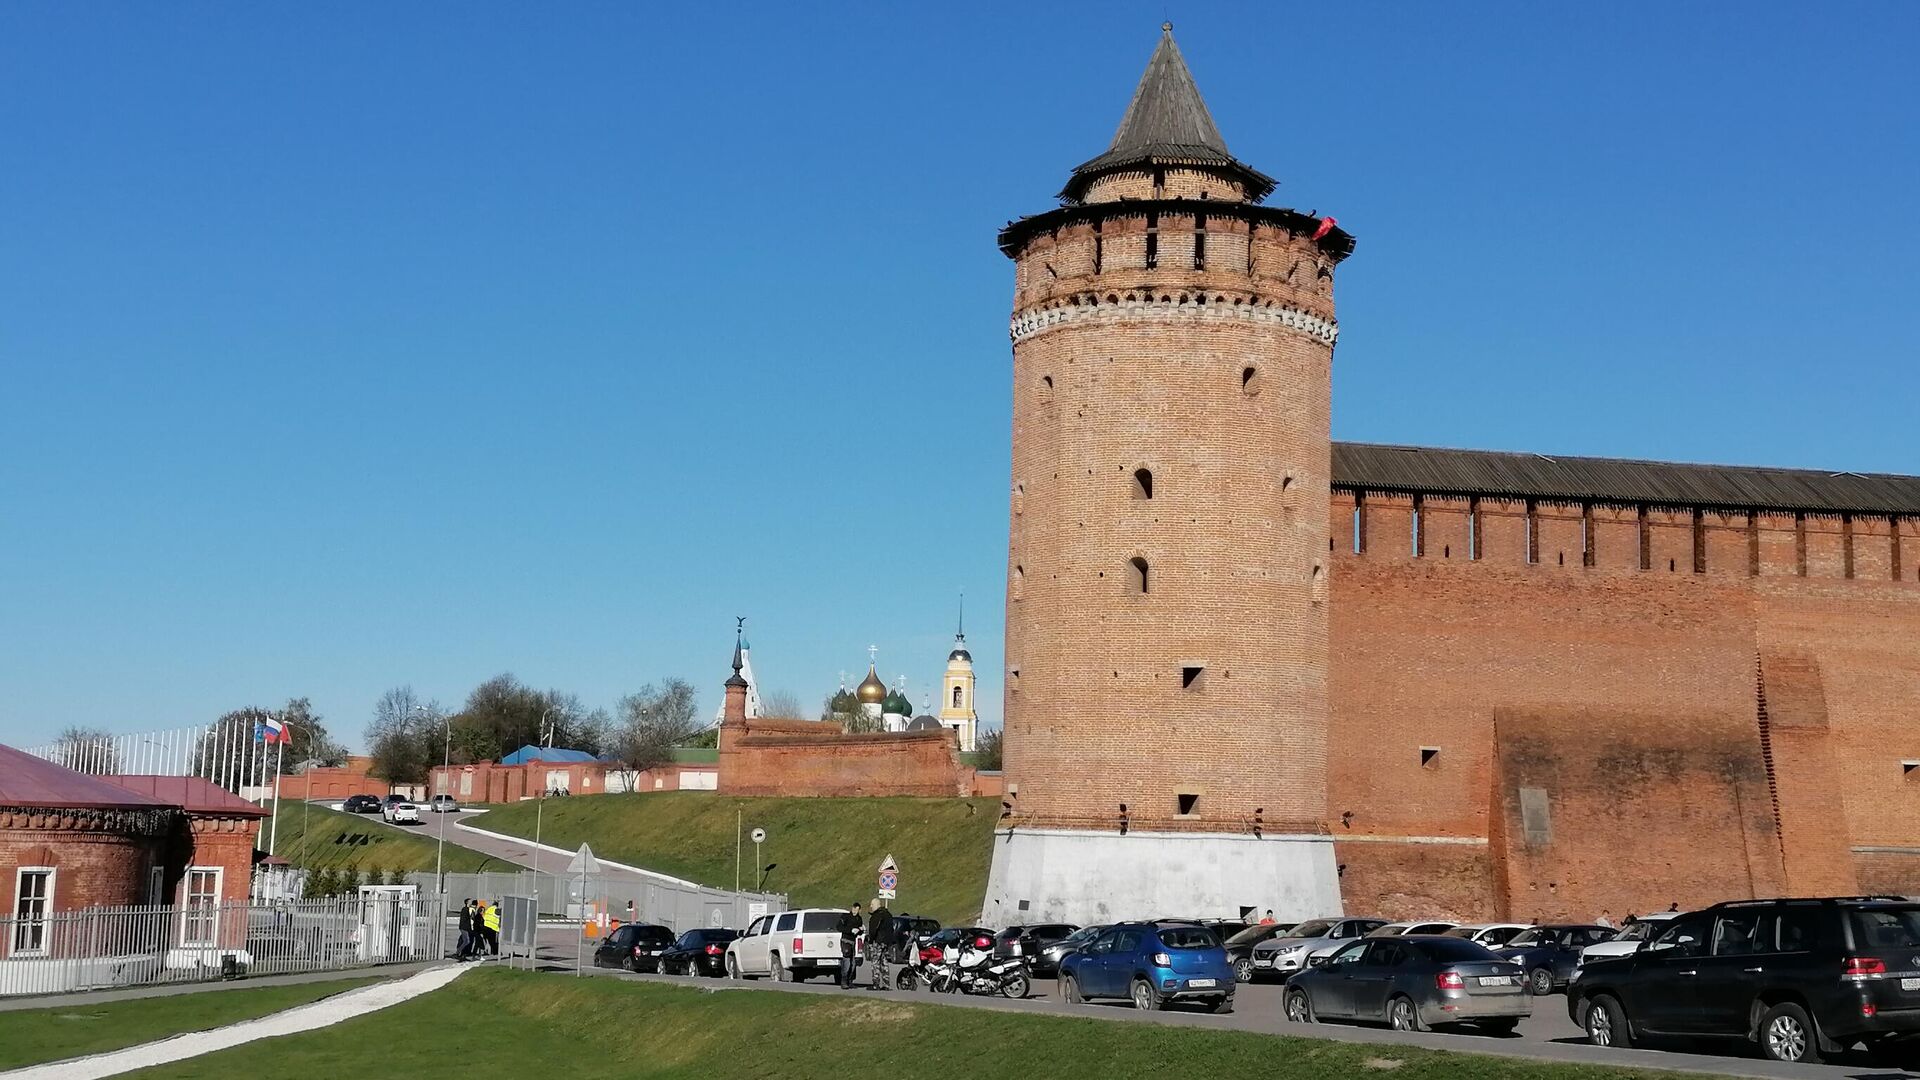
x=1413 y=983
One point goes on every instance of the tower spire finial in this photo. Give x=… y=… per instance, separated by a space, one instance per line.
x=1167 y=27
x=960 y=631
x=739 y=634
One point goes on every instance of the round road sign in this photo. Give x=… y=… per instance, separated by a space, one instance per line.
x=759 y=836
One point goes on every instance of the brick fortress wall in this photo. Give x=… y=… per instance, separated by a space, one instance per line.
x=1547 y=711
x=817 y=758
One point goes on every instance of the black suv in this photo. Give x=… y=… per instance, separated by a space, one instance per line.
x=1800 y=977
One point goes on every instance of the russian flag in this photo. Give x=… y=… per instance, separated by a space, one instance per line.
x=272 y=731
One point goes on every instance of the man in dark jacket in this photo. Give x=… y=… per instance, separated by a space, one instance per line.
x=879 y=942
x=466 y=930
x=850 y=927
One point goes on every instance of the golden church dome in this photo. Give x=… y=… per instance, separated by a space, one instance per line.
x=871 y=690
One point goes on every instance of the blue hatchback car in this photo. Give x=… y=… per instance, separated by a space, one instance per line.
x=1153 y=965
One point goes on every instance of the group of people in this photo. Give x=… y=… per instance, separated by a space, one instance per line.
x=879 y=930
x=479 y=930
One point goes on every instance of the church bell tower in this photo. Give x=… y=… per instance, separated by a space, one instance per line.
x=1167 y=557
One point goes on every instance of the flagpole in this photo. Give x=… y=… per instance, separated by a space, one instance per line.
x=279 y=749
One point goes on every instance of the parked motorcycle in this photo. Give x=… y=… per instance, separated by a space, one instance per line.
x=971 y=968
x=917 y=973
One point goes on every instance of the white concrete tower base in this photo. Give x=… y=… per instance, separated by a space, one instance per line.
x=1085 y=877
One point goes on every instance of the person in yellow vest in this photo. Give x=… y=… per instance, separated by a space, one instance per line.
x=491 y=919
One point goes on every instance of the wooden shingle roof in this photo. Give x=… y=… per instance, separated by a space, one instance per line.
x=1430 y=470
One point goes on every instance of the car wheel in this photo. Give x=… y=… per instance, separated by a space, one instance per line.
x=1145 y=998
x=1299 y=1006
x=1070 y=991
x=1786 y=1034
x=1243 y=970
x=1607 y=1023
x=733 y=968
x=1221 y=1007
x=630 y=964
x=1540 y=981
x=1402 y=1015
x=780 y=972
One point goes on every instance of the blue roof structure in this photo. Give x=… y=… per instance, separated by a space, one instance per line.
x=545 y=753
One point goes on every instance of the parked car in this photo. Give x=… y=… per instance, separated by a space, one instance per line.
x=1151 y=964
x=443 y=804
x=1412 y=983
x=1803 y=978
x=1549 y=953
x=1031 y=942
x=361 y=804
x=1056 y=952
x=398 y=809
x=1492 y=935
x=934 y=945
x=635 y=947
x=1240 y=946
x=1402 y=929
x=1315 y=939
x=1627 y=941
x=792 y=946
x=908 y=932
x=698 y=952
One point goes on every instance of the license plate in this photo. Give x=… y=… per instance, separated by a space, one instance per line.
x=1496 y=980
x=1910 y=984
x=1209 y=982
x=1263 y=961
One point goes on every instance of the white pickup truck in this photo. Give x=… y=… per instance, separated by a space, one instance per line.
x=790 y=946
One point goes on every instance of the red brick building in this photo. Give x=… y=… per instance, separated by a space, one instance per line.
x=334 y=781
x=1405 y=681
x=70 y=841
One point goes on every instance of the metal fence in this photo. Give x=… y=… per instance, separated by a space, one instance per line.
x=678 y=907
x=137 y=946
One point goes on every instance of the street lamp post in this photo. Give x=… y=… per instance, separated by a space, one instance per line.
x=539 y=810
x=446 y=777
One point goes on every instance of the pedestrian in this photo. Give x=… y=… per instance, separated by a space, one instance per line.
x=850 y=928
x=879 y=942
x=1267 y=919
x=1603 y=920
x=466 y=929
x=491 y=919
x=1675 y=906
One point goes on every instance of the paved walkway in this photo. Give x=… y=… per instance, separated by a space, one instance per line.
x=318 y=1014
x=98 y=997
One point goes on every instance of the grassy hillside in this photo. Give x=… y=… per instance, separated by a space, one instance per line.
x=77 y=1028
x=494 y=1016
x=828 y=850
x=331 y=840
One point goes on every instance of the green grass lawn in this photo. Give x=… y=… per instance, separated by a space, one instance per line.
x=828 y=850
x=32 y=1036
x=321 y=839
x=493 y=1021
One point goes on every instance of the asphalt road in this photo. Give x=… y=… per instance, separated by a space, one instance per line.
x=1547 y=1036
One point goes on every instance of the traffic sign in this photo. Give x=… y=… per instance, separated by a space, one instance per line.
x=584 y=862
x=758 y=836
x=889 y=864
x=889 y=881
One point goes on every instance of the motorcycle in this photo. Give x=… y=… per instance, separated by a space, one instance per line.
x=970 y=967
x=918 y=971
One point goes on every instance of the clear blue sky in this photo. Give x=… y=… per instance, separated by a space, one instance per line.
x=366 y=344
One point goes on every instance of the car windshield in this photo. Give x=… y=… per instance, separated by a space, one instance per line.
x=1526 y=938
x=1081 y=936
x=1639 y=931
x=1886 y=928
x=1449 y=950
x=655 y=935
x=820 y=922
x=1253 y=934
x=1188 y=937
x=1316 y=928
x=1463 y=931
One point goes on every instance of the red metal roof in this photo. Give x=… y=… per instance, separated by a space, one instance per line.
x=190 y=793
x=26 y=780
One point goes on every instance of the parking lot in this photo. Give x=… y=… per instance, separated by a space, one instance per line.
x=1547 y=1036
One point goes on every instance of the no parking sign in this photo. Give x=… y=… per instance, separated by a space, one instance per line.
x=889 y=878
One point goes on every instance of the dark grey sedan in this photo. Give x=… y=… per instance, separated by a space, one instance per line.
x=1413 y=983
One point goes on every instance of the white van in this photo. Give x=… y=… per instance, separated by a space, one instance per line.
x=790 y=946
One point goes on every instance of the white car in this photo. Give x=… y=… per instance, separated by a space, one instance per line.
x=1399 y=929
x=1491 y=934
x=395 y=812
x=1304 y=945
x=1628 y=940
x=791 y=946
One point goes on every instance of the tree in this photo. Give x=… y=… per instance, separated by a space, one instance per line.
x=312 y=744
x=502 y=715
x=988 y=747
x=650 y=723
x=87 y=750
x=781 y=705
x=404 y=737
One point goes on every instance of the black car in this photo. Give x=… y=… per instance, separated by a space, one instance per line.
x=698 y=952
x=1031 y=942
x=908 y=932
x=1802 y=978
x=635 y=947
x=1240 y=947
x=1548 y=954
x=361 y=804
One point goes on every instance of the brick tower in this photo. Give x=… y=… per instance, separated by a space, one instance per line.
x=1166 y=702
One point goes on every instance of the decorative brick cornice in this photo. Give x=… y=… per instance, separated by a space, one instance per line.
x=1089 y=309
x=81 y=819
